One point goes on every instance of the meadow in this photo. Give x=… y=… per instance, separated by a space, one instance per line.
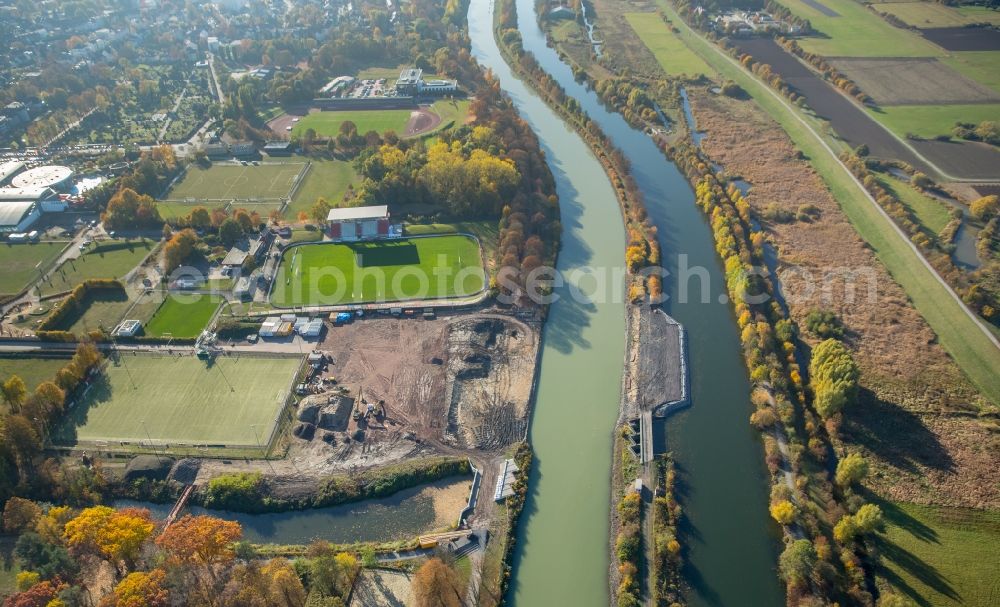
x=933 y=14
x=327 y=179
x=671 y=53
x=938 y=556
x=32 y=370
x=394 y=270
x=21 y=263
x=181 y=399
x=857 y=32
x=104 y=260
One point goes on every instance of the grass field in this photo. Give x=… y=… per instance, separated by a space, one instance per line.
x=929 y=121
x=673 y=55
x=932 y=14
x=182 y=316
x=113 y=260
x=980 y=66
x=20 y=260
x=418 y=268
x=930 y=212
x=327 y=124
x=941 y=557
x=451 y=111
x=487 y=231
x=959 y=334
x=327 y=179
x=222 y=182
x=181 y=399
x=32 y=370
x=857 y=32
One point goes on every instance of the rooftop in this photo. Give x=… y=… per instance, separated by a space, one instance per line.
x=11 y=213
x=357 y=213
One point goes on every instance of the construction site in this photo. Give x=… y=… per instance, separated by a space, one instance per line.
x=385 y=389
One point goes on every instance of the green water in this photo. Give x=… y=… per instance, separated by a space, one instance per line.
x=730 y=544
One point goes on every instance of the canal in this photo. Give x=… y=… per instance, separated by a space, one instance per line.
x=562 y=557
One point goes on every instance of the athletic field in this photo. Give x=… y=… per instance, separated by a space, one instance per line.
x=181 y=401
x=183 y=315
x=327 y=124
x=383 y=271
x=224 y=182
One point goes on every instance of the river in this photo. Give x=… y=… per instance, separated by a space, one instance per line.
x=562 y=556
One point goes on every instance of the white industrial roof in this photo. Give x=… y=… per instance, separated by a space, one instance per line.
x=41 y=177
x=9 y=168
x=11 y=213
x=22 y=194
x=356 y=213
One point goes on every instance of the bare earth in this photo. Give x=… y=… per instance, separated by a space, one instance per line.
x=914 y=417
x=381 y=588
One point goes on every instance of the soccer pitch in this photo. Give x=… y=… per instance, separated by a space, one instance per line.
x=181 y=400
x=222 y=182
x=381 y=271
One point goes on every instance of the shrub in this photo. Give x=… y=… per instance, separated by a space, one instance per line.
x=824 y=324
x=774 y=212
x=985 y=208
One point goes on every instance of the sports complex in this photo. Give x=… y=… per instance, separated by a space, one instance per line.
x=405 y=269
x=179 y=403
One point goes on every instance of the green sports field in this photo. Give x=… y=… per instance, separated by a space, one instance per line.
x=182 y=316
x=181 y=400
x=327 y=124
x=673 y=55
x=384 y=271
x=223 y=182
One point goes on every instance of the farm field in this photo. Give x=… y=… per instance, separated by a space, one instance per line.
x=397 y=270
x=929 y=121
x=673 y=55
x=105 y=260
x=19 y=262
x=932 y=14
x=960 y=335
x=182 y=316
x=942 y=557
x=225 y=182
x=327 y=124
x=980 y=66
x=32 y=370
x=914 y=81
x=327 y=179
x=857 y=32
x=181 y=399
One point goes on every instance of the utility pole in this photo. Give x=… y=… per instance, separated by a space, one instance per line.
x=219 y=367
x=149 y=438
x=261 y=447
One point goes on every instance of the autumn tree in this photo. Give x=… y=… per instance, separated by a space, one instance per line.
x=200 y=539
x=851 y=470
x=199 y=218
x=20 y=514
x=321 y=210
x=14 y=392
x=834 y=377
x=985 y=208
x=117 y=535
x=178 y=249
x=437 y=585
x=142 y=589
x=783 y=512
x=129 y=209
